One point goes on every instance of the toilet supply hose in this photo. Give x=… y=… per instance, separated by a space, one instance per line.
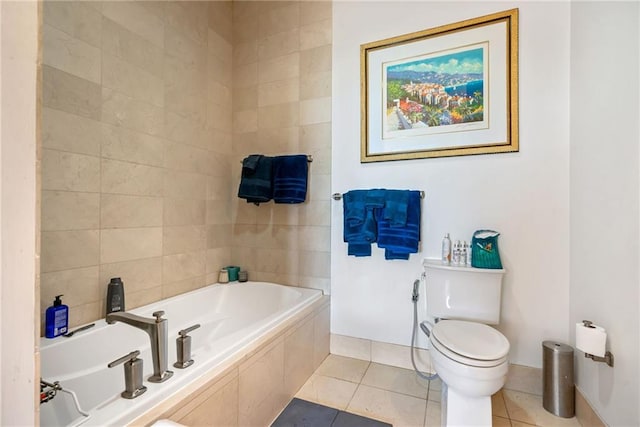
x=414 y=298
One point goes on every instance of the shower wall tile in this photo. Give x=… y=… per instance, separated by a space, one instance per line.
x=279 y=44
x=219 y=236
x=79 y=286
x=316 y=212
x=279 y=140
x=122 y=110
x=184 y=238
x=312 y=238
x=314 y=11
x=218 y=46
x=317 y=85
x=123 y=144
x=120 y=211
x=316 y=34
x=315 y=60
x=314 y=111
x=281 y=67
x=184 y=266
x=245 y=75
x=130 y=47
x=70 y=210
x=78 y=19
x=245 y=52
x=277 y=261
x=220 y=15
x=137 y=299
x=185 y=212
x=278 y=116
x=70 y=171
x=218 y=212
x=66 y=92
x=223 y=72
x=138 y=275
x=134 y=17
x=245 y=121
x=274 y=19
x=182 y=286
x=186 y=128
x=186 y=158
x=189 y=18
x=69 y=54
x=64 y=250
x=132 y=81
x=278 y=92
x=124 y=244
x=70 y=132
x=184 y=185
x=245 y=98
x=131 y=178
x=315 y=264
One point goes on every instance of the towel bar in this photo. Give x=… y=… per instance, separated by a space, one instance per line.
x=309 y=158
x=338 y=196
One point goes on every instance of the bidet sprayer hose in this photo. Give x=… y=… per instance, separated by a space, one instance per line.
x=423 y=326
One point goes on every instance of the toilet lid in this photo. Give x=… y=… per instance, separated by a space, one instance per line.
x=469 y=339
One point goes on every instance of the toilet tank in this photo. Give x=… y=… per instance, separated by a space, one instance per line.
x=464 y=293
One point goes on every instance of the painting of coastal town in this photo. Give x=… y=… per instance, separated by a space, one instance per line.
x=435 y=93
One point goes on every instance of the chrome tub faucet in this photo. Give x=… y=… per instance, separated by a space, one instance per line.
x=157 y=329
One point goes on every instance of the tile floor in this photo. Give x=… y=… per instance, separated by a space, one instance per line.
x=398 y=396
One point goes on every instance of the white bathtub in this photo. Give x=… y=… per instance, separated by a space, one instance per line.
x=232 y=317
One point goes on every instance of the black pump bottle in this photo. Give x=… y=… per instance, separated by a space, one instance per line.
x=115 y=295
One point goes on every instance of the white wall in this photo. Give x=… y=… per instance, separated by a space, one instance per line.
x=604 y=199
x=18 y=59
x=523 y=195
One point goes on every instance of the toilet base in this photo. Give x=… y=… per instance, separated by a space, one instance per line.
x=461 y=410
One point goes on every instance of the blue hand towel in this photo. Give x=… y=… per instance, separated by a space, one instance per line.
x=256 y=181
x=359 y=223
x=400 y=241
x=290 y=179
x=395 y=207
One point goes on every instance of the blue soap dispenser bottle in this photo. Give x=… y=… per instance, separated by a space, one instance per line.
x=57 y=319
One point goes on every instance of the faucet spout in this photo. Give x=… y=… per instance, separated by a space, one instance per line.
x=157 y=329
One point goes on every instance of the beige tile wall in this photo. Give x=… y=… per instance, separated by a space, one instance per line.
x=137 y=143
x=282 y=105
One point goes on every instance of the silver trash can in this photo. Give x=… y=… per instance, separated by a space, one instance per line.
x=558 y=390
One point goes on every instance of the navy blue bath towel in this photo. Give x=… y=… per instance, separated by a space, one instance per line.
x=400 y=240
x=290 y=179
x=256 y=183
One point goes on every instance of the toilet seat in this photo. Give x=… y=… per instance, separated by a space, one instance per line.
x=470 y=343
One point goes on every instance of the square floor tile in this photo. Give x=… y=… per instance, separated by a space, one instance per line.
x=327 y=391
x=395 y=408
x=400 y=380
x=527 y=408
x=344 y=368
x=498 y=408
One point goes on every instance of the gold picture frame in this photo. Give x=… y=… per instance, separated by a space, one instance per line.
x=445 y=91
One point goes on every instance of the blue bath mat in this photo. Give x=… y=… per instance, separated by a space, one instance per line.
x=300 y=413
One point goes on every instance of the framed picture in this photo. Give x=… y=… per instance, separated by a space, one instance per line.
x=445 y=91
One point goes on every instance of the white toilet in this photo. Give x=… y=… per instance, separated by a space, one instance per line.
x=469 y=356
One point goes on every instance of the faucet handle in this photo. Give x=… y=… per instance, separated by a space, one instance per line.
x=184 y=332
x=131 y=356
x=132 y=374
x=158 y=315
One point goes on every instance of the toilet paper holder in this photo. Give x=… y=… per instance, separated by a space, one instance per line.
x=608 y=356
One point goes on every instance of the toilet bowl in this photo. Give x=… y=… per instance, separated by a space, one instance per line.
x=471 y=360
x=469 y=355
